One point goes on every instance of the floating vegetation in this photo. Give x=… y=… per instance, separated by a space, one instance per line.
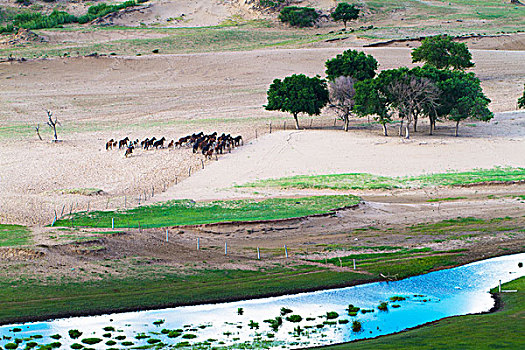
x=294 y=318
x=383 y=306
x=353 y=310
x=55 y=336
x=395 y=306
x=364 y=311
x=331 y=315
x=106 y=335
x=190 y=336
x=109 y=329
x=73 y=334
x=174 y=334
x=120 y=337
x=285 y=311
x=343 y=321
x=91 y=341
x=153 y=341
x=16 y=330
x=11 y=345
x=127 y=343
x=158 y=322
x=240 y=311
x=397 y=298
x=275 y=323
x=111 y=342
x=356 y=326
x=253 y=325
x=77 y=346
x=144 y=336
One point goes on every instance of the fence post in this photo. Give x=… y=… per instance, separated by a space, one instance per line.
x=167 y=236
x=198 y=243
x=125 y=202
x=202 y=164
x=258 y=254
x=112 y=223
x=176 y=180
x=255 y=133
x=284 y=125
x=270 y=127
x=225 y=248
x=152 y=191
x=311 y=121
x=189 y=171
x=354 y=264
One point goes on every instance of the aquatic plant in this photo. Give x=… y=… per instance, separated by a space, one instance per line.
x=344 y=321
x=189 y=336
x=275 y=323
x=397 y=298
x=120 y=337
x=158 y=322
x=127 y=343
x=353 y=309
x=16 y=329
x=111 y=342
x=331 y=315
x=74 y=333
x=31 y=344
x=76 y=346
x=240 y=311
x=356 y=326
x=55 y=336
x=294 y=318
x=91 y=341
x=364 y=311
x=253 y=325
x=109 y=329
x=395 y=306
x=285 y=311
x=383 y=306
x=11 y=346
x=153 y=341
x=174 y=334
x=106 y=335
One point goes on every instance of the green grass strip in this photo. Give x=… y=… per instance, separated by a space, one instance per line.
x=363 y=181
x=188 y=212
x=14 y=235
x=476 y=332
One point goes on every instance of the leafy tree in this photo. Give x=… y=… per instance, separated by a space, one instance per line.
x=298 y=16
x=342 y=93
x=521 y=100
x=369 y=100
x=351 y=63
x=345 y=12
x=297 y=94
x=441 y=52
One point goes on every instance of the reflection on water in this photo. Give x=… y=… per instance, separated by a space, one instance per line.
x=429 y=297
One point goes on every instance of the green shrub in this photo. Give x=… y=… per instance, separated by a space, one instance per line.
x=127 y=343
x=11 y=346
x=275 y=323
x=109 y=329
x=120 y=337
x=285 y=311
x=153 y=341
x=55 y=345
x=55 y=336
x=353 y=309
x=174 y=334
x=331 y=315
x=145 y=336
x=16 y=329
x=356 y=326
x=111 y=342
x=298 y=16
x=106 y=335
x=271 y=3
x=345 y=321
x=76 y=346
x=158 y=322
x=397 y=298
x=91 y=341
x=189 y=336
x=294 y=318
x=74 y=333
x=383 y=306
x=31 y=344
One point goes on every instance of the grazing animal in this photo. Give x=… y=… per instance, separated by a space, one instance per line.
x=129 y=151
x=150 y=142
x=159 y=143
x=238 y=140
x=208 y=154
x=170 y=145
x=123 y=143
x=109 y=144
x=143 y=143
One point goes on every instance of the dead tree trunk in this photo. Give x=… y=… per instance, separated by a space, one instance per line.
x=296 y=121
x=37 y=128
x=53 y=124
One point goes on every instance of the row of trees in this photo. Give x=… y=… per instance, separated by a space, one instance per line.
x=439 y=90
x=306 y=16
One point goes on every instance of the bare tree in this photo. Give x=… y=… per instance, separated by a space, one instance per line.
x=37 y=128
x=53 y=124
x=411 y=97
x=342 y=97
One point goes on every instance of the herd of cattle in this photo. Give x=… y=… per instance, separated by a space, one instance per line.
x=208 y=145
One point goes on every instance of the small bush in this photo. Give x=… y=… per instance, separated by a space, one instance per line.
x=106 y=335
x=345 y=321
x=55 y=336
x=91 y=341
x=111 y=342
x=55 y=345
x=174 y=334
x=74 y=333
x=353 y=309
x=294 y=318
x=11 y=346
x=356 y=326
x=31 y=344
x=285 y=311
x=153 y=341
x=298 y=16
x=158 y=322
x=189 y=336
x=127 y=343
x=109 y=329
x=76 y=346
x=331 y=315
x=395 y=306
x=383 y=306
x=16 y=329
x=397 y=298
x=275 y=323
x=364 y=311
x=240 y=311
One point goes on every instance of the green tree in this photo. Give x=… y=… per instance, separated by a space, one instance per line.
x=370 y=101
x=443 y=53
x=521 y=100
x=298 y=16
x=345 y=12
x=351 y=63
x=297 y=94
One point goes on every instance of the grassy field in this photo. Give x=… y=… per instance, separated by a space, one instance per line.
x=26 y=298
x=14 y=235
x=500 y=330
x=187 y=212
x=363 y=181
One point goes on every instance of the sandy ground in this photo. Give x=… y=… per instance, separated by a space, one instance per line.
x=101 y=98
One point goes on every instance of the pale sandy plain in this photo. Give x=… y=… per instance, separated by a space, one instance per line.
x=172 y=95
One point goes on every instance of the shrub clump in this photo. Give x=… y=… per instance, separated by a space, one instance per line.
x=74 y=333
x=109 y=329
x=383 y=306
x=331 y=315
x=294 y=318
x=76 y=346
x=11 y=346
x=189 y=336
x=153 y=341
x=397 y=298
x=298 y=16
x=91 y=341
x=55 y=336
x=356 y=326
x=175 y=334
x=275 y=323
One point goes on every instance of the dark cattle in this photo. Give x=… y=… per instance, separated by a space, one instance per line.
x=170 y=145
x=237 y=140
x=143 y=143
x=150 y=142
